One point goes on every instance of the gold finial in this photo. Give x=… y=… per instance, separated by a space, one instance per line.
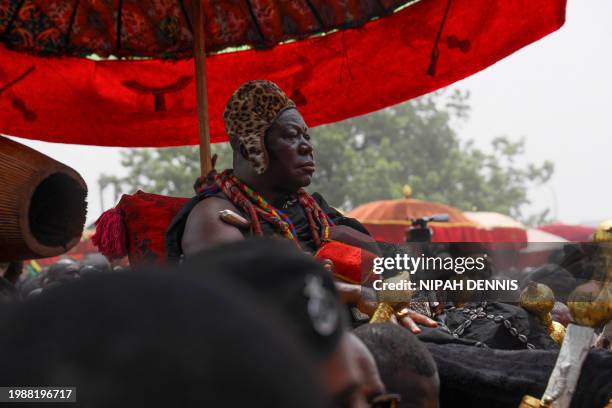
x=407 y=190
x=603 y=232
x=394 y=299
x=539 y=299
x=590 y=304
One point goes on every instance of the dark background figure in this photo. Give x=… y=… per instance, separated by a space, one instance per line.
x=11 y=271
x=8 y=292
x=149 y=339
x=405 y=365
x=559 y=280
x=94 y=263
x=298 y=287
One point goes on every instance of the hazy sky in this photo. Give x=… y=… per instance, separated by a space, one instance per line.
x=557 y=93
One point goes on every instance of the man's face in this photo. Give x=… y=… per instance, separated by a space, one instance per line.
x=291 y=159
x=342 y=377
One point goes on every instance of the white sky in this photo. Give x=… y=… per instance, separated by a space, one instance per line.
x=556 y=93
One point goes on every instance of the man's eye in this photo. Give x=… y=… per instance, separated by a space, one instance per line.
x=306 y=136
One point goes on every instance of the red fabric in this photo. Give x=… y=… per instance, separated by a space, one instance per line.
x=332 y=77
x=405 y=209
x=110 y=236
x=160 y=29
x=351 y=264
x=447 y=233
x=575 y=233
x=146 y=217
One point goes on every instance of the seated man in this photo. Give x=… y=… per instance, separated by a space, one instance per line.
x=273 y=161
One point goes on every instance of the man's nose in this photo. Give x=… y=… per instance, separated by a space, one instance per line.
x=305 y=147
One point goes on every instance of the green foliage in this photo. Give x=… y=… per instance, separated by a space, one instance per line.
x=169 y=171
x=371 y=158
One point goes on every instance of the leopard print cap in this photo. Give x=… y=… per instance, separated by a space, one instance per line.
x=250 y=111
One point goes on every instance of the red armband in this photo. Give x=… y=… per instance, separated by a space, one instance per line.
x=351 y=264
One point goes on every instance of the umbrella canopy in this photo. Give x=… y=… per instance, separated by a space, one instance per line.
x=576 y=233
x=387 y=220
x=541 y=245
x=539 y=236
x=501 y=227
x=344 y=58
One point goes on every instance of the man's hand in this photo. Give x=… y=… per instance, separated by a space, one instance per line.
x=364 y=300
x=411 y=319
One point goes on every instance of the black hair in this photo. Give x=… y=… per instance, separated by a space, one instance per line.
x=155 y=339
x=276 y=271
x=395 y=349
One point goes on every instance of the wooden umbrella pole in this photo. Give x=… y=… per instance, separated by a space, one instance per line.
x=199 y=56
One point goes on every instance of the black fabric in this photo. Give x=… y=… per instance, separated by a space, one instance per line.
x=487 y=378
x=487 y=332
x=292 y=209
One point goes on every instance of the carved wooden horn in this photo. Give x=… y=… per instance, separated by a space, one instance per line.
x=42 y=204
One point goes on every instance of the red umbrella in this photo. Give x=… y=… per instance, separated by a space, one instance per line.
x=575 y=233
x=387 y=220
x=503 y=229
x=336 y=59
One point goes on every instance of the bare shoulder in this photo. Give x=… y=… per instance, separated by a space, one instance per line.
x=204 y=228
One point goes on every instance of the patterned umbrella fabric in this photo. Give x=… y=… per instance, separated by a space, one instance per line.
x=336 y=59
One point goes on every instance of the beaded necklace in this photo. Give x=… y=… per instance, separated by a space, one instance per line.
x=257 y=207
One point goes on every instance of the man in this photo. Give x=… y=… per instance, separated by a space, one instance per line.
x=303 y=292
x=273 y=162
x=146 y=340
x=405 y=365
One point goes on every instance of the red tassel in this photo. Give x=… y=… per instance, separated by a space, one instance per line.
x=111 y=234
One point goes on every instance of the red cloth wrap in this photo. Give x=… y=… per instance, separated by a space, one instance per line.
x=351 y=264
x=137 y=226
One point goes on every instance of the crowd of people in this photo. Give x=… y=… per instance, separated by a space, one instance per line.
x=248 y=312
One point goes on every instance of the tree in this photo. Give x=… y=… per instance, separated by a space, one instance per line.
x=373 y=156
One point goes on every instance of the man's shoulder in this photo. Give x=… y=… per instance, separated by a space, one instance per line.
x=210 y=207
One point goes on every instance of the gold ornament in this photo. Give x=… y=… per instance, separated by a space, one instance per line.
x=407 y=191
x=392 y=301
x=603 y=232
x=539 y=300
x=590 y=304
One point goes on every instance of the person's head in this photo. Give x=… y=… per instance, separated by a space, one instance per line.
x=95 y=262
x=405 y=365
x=160 y=339
x=303 y=293
x=269 y=137
x=559 y=280
x=372 y=386
x=61 y=272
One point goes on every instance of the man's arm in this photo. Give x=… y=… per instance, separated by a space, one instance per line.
x=204 y=228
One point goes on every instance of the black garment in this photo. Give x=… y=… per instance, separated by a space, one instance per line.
x=292 y=208
x=475 y=377
x=490 y=324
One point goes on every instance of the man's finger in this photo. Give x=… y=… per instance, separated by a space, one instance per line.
x=421 y=319
x=408 y=323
